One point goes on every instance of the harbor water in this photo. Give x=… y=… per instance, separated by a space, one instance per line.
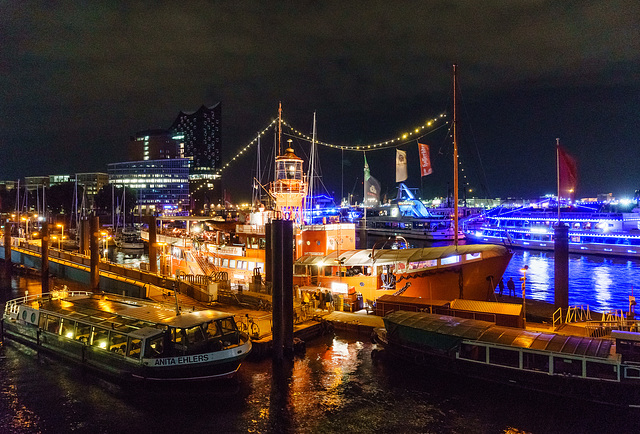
x=336 y=386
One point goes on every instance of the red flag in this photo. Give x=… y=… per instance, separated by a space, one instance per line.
x=567 y=174
x=425 y=160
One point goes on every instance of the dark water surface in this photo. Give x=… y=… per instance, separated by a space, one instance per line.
x=335 y=387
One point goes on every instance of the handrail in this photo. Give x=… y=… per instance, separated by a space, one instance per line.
x=11 y=306
x=557 y=318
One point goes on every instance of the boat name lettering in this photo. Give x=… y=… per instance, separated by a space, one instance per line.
x=183 y=360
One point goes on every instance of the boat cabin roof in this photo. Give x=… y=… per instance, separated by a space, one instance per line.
x=126 y=313
x=433 y=325
x=391 y=256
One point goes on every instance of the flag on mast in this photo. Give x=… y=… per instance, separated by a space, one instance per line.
x=567 y=174
x=371 y=187
x=401 y=165
x=425 y=160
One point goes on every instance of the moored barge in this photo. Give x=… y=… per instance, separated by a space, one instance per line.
x=129 y=338
x=595 y=369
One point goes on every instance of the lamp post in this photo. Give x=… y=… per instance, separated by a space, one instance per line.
x=105 y=245
x=61 y=226
x=524 y=281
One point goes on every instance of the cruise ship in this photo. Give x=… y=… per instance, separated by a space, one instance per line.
x=601 y=233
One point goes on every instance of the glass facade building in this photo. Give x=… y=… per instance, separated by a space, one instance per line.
x=162 y=186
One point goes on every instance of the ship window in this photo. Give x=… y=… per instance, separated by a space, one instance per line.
x=535 y=362
x=134 y=348
x=473 y=352
x=176 y=335
x=228 y=325
x=195 y=335
x=602 y=370
x=232 y=263
x=631 y=372
x=68 y=328
x=53 y=324
x=498 y=356
x=100 y=337
x=118 y=343
x=566 y=366
x=450 y=260
x=213 y=329
x=225 y=262
x=472 y=256
x=82 y=332
x=43 y=321
x=155 y=347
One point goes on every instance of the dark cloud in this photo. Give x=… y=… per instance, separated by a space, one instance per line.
x=79 y=78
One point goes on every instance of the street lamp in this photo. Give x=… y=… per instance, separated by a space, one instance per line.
x=524 y=281
x=105 y=245
x=61 y=226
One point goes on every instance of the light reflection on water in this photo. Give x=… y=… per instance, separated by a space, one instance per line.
x=334 y=387
x=603 y=283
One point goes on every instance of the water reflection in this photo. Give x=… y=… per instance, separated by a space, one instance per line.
x=601 y=283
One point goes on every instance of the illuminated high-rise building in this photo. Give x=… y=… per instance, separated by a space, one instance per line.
x=200 y=132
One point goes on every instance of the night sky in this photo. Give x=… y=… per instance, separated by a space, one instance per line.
x=78 y=79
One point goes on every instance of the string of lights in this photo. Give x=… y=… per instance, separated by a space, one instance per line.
x=407 y=137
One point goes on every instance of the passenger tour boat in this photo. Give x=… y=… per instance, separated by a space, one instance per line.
x=127 y=337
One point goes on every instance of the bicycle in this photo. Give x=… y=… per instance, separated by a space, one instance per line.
x=248 y=324
x=301 y=314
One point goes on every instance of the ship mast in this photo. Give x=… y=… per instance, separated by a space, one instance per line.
x=455 y=159
x=279 y=126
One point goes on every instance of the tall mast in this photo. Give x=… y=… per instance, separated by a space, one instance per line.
x=311 y=172
x=279 y=125
x=558 y=174
x=455 y=158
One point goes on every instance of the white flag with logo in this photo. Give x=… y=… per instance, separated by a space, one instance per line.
x=401 y=165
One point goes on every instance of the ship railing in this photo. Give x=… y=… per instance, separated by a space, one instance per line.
x=12 y=306
x=579 y=313
x=557 y=318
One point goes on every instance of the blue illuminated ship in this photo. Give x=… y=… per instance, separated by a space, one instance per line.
x=590 y=232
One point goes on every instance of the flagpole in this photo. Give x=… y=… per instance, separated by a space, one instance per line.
x=455 y=160
x=558 y=174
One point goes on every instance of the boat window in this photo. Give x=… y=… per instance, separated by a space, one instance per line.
x=631 y=372
x=472 y=256
x=634 y=242
x=232 y=263
x=68 y=328
x=213 y=329
x=53 y=324
x=499 y=356
x=260 y=266
x=155 y=347
x=82 y=332
x=227 y=325
x=327 y=271
x=225 y=262
x=100 y=337
x=565 y=366
x=176 y=335
x=195 y=335
x=473 y=352
x=450 y=260
x=602 y=370
x=118 y=343
x=535 y=361
x=134 y=348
